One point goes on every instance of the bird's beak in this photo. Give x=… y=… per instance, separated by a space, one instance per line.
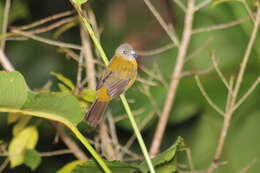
x=134 y=54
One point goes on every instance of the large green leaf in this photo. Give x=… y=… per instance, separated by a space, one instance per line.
x=115 y=166
x=14 y=97
x=12 y=90
x=55 y=105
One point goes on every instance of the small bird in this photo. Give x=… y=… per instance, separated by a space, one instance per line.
x=119 y=75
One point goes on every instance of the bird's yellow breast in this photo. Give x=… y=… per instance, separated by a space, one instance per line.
x=124 y=67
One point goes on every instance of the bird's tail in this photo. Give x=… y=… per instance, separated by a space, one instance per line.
x=95 y=112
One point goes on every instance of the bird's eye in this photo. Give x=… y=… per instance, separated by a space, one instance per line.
x=124 y=52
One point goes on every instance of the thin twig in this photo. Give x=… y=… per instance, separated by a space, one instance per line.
x=188 y=153
x=220 y=74
x=4 y=164
x=45 y=20
x=131 y=140
x=247 y=54
x=220 y=26
x=4 y=61
x=88 y=55
x=47 y=41
x=204 y=93
x=157 y=139
x=5 y=22
x=248 y=166
x=52 y=26
x=249 y=11
x=106 y=143
x=180 y=4
x=157 y=15
x=230 y=93
x=77 y=152
x=155 y=51
x=248 y=92
x=79 y=72
x=56 y=153
x=198 y=50
x=202 y=5
x=114 y=137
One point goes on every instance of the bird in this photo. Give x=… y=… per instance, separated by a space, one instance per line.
x=117 y=77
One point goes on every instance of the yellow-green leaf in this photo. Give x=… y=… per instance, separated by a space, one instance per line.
x=20 y=125
x=32 y=159
x=70 y=166
x=64 y=79
x=63 y=88
x=26 y=139
x=88 y=95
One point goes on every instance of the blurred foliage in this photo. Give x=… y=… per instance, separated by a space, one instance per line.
x=191 y=116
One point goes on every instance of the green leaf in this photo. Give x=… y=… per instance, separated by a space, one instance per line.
x=91 y=166
x=20 y=125
x=26 y=139
x=12 y=90
x=63 y=88
x=64 y=79
x=164 y=161
x=70 y=166
x=56 y=106
x=32 y=159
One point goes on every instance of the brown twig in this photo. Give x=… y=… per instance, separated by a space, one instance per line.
x=220 y=26
x=5 y=62
x=52 y=26
x=106 y=143
x=89 y=60
x=47 y=41
x=45 y=20
x=248 y=166
x=202 y=5
x=5 y=22
x=204 y=93
x=230 y=111
x=4 y=164
x=155 y=51
x=77 y=152
x=171 y=33
x=180 y=4
x=55 y=153
x=187 y=32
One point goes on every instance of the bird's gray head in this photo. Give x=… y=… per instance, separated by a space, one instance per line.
x=126 y=51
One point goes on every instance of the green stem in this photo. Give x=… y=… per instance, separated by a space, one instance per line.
x=92 y=151
x=88 y=28
x=137 y=133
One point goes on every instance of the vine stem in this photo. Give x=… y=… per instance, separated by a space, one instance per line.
x=89 y=29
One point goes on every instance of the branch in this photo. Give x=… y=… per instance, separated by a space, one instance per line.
x=47 y=41
x=5 y=22
x=230 y=111
x=220 y=26
x=157 y=15
x=204 y=93
x=187 y=32
x=5 y=61
x=155 y=51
